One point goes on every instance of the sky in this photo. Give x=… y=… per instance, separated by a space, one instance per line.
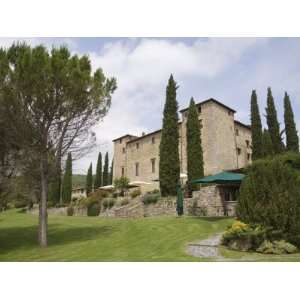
x=226 y=69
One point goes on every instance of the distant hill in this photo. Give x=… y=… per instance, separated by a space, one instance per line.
x=78 y=180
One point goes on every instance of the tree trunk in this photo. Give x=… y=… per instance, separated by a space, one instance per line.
x=43 y=202
x=58 y=178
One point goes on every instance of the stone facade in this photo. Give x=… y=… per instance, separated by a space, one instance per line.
x=226 y=145
x=209 y=201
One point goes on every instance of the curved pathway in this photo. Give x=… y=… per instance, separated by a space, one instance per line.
x=206 y=248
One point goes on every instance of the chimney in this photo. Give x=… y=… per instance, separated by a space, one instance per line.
x=143 y=133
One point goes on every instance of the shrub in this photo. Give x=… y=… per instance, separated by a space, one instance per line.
x=98 y=195
x=150 y=198
x=20 y=201
x=108 y=203
x=121 y=184
x=124 y=201
x=93 y=209
x=276 y=247
x=241 y=236
x=269 y=195
x=135 y=193
x=70 y=211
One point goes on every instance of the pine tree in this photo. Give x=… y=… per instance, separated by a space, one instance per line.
x=89 y=180
x=256 y=128
x=169 y=168
x=194 y=148
x=292 y=140
x=105 y=170
x=98 y=178
x=273 y=124
x=267 y=144
x=111 y=174
x=67 y=181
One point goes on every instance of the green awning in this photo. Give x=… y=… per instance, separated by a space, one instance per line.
x=223 y=177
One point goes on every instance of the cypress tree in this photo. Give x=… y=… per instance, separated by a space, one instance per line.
x=194 y=148
x=273 y=124
x=111 y=174
x=67 y=181
x=267 y=144
x=169 y=168
x=105 y=170
x=256 y=128
x=292 y=140
x=89 y=180
x=98 y=178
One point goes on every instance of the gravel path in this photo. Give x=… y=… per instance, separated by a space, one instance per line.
x=206 y=248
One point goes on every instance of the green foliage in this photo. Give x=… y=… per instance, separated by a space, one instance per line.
x=169 y=169
x=292 y=139
x=67 y=181
x=135 y=193
x=98 y=177
x=54 y=191
x=105 y=170
x=243 y=237
x=273 y=124
x=52 y=99
x=89 y=180
x=108 y=203
x=256 y=128
x=111 y=173
x=20 y=201
x=179 y=201
x=150 y=198
x=194 y=148
x=70 y=211
x=93 y=209
x=267 y=150
x=121 y=184
x=276 y=247
x=78 y=181
x=269 y=195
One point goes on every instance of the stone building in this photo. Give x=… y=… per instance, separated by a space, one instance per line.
x=226 y=145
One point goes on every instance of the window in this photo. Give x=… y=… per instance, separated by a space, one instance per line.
x=236 y=132
x=200 y=124
x=199 y=109
x=153 y=140
x=153 y=165
x=247 y=143
x=120 y=141
x=123 y=171
x=124 y=150
x=238 y=150
x=136 y=169
x=137 y=145
x=248 y=156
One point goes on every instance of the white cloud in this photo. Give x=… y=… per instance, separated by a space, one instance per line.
x=142 y=68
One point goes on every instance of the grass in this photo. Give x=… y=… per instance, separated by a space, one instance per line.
x=103 y=239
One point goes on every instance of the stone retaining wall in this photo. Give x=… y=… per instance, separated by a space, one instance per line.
x=208 y=201
x=205 y=202
x=60 y=211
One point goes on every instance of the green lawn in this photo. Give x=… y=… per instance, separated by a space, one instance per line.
x=103 y=239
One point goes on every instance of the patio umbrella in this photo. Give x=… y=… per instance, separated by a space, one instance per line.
x=223 y=177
